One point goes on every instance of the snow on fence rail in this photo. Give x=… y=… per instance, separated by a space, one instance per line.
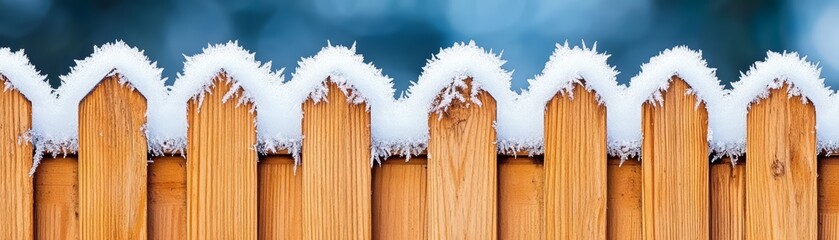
x=463 y=87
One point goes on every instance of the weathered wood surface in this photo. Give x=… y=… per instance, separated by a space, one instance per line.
x=781 y=198
x=221 y=167
x=521 y=198
x=280 y=198
x=167 y=198
x=828 y=198
x=623 y=211
x=575 y=166
x=15 y=161
x=400 y=199
x=112 y=162
x=57 y=198
x=336 y=155
x=728 y=200
x=462 y=166
x=676 y=166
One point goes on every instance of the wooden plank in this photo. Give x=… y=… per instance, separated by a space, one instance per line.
x=828 y=198
x=462 y=168
x=781 y=198
x=167 y=198
x=280 y=198
x=400 y=199
x=521 y=198
x=728 y=200
x=221 y=167
x=112 y=162
x=336 y=154
x=57 y=198
x=623 y=211
x=675 y=162
x=15 y=161
x=575 y=166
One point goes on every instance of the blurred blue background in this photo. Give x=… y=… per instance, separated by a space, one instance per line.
x=399 y=35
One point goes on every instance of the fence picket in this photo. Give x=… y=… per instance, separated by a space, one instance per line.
x=167 y=198
x=337 y=183
x=575 y=166
x=57 y=198
x=623 y=211
x=15 y=184
x=521 y=198
x=221 y=167
x=781 y=168
x=675 y=162
x=462 y=166
x=828 y=198
x=280 y=198
x=400 y=199
x=112 y=162
x=728 y=200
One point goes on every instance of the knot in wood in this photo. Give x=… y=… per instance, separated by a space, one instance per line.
x=778 y=168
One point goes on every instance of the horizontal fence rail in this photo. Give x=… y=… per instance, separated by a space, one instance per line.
x=452 y=172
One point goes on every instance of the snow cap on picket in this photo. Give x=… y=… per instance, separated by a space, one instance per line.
x=804 y=80
x=259 y=84
x=521 y=124
x=436 y=89
x=55 y=116
x=624 y=117
x=360 y=82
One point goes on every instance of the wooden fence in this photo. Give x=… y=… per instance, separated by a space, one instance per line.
x=460 y=189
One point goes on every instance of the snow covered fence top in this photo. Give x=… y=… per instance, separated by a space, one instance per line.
x=400 y=125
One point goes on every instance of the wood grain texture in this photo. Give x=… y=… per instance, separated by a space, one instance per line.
x=462 y=166
x=57 y=198
x=521 y=198
x=221 y=167
x=112 y=162
x=400 y=199
x=167 y=198
x=336 y=155
x=280 y=198
x=575 y=166
x=675 y=162
x=623 y=212
x=15 y=161
x=728 y=200
x=828 y=198
x=781 y=169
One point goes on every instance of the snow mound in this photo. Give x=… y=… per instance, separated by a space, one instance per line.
x=772 y=73
x=624 y=115
x=360 y=82
x=403 y=129
x=20 y=75
x=521 y=124
x=260 y=86
x=55 y=118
